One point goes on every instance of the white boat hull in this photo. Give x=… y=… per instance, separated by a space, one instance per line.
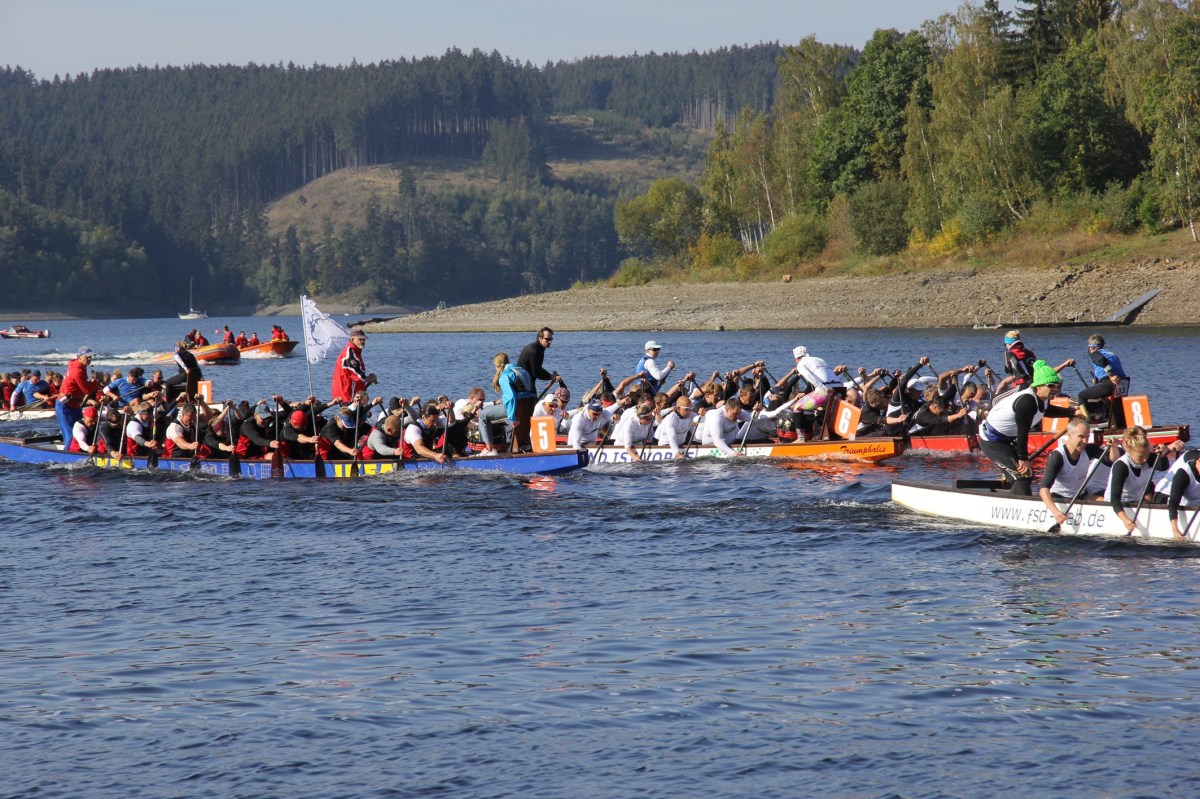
x=1000 y=509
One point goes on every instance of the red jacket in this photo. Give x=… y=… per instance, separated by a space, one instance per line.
x=349 y=374
x=75 y=386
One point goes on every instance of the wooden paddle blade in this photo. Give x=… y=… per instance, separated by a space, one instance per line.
x=319 y=467
x=235 y=465
x=277 y=465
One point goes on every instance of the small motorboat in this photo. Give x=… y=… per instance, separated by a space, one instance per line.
x=270 y=349
x=213 y=353
x=21 y=331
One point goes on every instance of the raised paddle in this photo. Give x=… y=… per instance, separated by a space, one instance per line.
x=277 y=456
x=1054 y=528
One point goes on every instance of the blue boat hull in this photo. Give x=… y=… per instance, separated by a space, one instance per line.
x=554 y=463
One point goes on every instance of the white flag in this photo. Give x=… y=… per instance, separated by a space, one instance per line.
x=321 y=334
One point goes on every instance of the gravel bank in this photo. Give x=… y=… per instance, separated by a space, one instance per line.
x=944 y=298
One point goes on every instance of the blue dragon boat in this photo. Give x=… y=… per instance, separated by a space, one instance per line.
x=45 y=449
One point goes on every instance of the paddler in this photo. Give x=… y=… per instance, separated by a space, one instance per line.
x=83 y=439
x=1181 y=486
x=1076 y=468
x=1132 y=477
x=1004 y=435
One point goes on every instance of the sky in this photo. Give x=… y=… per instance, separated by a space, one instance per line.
x=66 y=37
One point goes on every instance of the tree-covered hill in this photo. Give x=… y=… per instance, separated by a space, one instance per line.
x=182 y=163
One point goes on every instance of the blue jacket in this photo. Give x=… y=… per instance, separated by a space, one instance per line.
x=1105 y=363
x=515 y=384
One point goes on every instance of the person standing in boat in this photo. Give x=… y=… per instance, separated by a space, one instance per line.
x=650 y=373
x=189 y=375
x=1073 y=462
x=1108 y=378
x=350 y=371
x=1018 y=360
x=1004 y=435
x=75 y=389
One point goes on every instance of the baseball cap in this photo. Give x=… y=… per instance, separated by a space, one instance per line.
x=89 y=412
x=261 y=409
x=652 y=345
x=297 y=418
x=84 y=352
x=799 y=352
x=595 y=405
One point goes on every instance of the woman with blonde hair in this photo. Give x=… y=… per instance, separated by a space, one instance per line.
x=1132 y=477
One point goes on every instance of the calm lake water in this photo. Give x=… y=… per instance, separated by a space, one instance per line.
x=649 y=630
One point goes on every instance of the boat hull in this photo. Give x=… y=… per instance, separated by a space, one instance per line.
x=863 y=449
x=213 y=353
x=958 y=443
x=20 y=451
x=25 y=334
x=997 y=508
x=26 y=416
x=270 y=349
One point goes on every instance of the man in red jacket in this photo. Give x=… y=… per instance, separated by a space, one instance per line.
x=71 y=395
x=350 y=373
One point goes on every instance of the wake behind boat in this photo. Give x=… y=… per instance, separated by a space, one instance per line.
x=45 y=450
x=986 y=502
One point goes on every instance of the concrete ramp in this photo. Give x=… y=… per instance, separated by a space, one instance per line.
x=1126 y=315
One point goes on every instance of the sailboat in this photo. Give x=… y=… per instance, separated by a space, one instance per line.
x=192 y=313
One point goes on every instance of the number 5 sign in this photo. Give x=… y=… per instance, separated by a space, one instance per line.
x=541 y=434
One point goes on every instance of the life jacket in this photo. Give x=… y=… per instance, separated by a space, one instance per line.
x=1001 y=424
x=429 y=438
x=368 y=453
x=1071 y=475
x=650 y=382
x=169 y=443
x=1114 y=363
x=1191 y=495
x=1018 y=362
x=1135 y=483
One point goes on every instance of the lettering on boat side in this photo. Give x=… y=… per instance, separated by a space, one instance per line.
x=1040 y=515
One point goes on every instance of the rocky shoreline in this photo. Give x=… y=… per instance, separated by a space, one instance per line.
x=959 y=297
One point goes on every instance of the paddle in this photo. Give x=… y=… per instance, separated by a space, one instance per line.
x=194 y=465
x=1054 y=528
x=354 y=465
x=318 y=461
x=31 y=406
x=235 y=463
x=152 y=455
x=95 y=437
x=1082 y=379
x=1189 y=524
x=650 y=431
x=1153 y=459
x=277 y=456
x=1046 y=446
x=750 y=424
x=121 y=446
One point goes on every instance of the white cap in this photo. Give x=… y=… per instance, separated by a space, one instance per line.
x=800 y=352
x=652 y=345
